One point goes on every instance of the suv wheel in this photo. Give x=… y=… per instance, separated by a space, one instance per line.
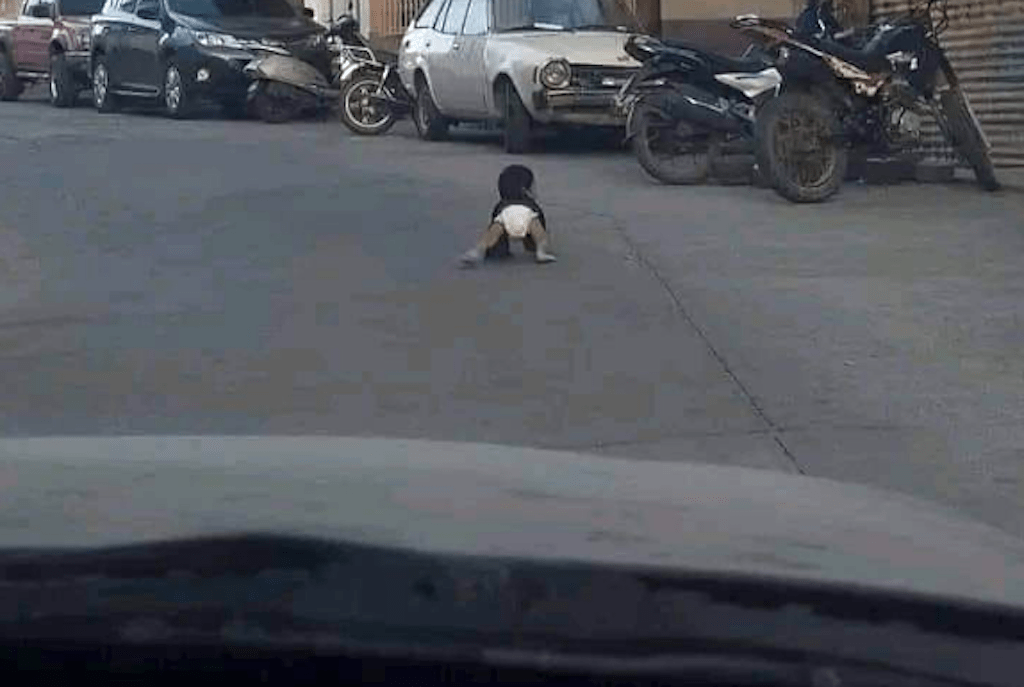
x=176 y=96
x=102 y=98
x=10 y=87
x=62 y=89
x=430 y=123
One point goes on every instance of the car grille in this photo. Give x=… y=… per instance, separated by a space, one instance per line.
x=600 y=78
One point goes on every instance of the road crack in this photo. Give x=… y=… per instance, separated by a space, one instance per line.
x=774 y=430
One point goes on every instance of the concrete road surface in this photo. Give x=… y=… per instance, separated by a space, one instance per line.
x=219 y=277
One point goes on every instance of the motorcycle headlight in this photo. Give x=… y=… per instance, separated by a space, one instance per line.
x=208 y=39
x=556 y=74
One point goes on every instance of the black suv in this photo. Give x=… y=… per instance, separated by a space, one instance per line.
x=180 y=52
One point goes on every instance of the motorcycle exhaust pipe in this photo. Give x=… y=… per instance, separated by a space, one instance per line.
x=700 y=108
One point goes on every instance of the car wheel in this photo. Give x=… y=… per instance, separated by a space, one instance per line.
x=102 y=98
x=176 y=97
x=62 y=89
x=430 y=123
x=10 y=87
x=517 y=121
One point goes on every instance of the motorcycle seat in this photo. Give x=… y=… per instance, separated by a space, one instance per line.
x=387 y=57
x=719 y=63
x=867 y=60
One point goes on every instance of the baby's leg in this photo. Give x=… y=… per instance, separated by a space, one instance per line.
x=493 y=234
x=540 y=235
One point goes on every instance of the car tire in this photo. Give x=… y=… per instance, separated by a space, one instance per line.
x=175 y=94
x=10 y=87
x=103 y=99
x=516 y=119
x=62 y=87
x=430 y=123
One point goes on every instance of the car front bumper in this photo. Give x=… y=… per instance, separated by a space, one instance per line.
x=578 y=106
x=215 y=74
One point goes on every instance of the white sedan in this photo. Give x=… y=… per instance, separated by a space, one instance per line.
x=520 y=62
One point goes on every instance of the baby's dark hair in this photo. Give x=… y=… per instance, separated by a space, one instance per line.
x=514 y=182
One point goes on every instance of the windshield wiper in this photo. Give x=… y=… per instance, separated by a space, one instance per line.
x=601 y=27
x=534 y=26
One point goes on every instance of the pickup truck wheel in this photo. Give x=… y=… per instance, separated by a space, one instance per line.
x=62 y=90
x=10 y=87
x=102 y=98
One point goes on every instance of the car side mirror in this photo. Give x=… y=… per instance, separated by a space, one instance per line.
x=52 y=13
x=308 y=12
x=148 y=12
x=42 y=11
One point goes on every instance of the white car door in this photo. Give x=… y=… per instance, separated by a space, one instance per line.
x=441 y=57
x=418 y=41
x=469 y=74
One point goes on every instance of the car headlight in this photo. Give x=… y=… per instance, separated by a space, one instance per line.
x=208 y=39
x=556 y=74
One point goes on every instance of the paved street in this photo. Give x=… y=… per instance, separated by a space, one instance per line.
x=220 y=277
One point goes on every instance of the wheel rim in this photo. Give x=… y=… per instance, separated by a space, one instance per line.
x=99 y=85
x=172 y=89
x=804 y=148
x=361 y=108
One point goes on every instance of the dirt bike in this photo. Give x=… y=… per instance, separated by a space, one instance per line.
x=865 y=88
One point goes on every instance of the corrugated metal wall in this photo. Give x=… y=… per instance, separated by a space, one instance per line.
x=985 y=43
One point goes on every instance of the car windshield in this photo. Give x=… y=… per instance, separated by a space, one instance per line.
x=233 y=8
x=513 y=15
x=81 y=7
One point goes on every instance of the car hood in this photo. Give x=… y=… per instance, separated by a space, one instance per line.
x=469 y=499
x=598 y=48
x=253 y=27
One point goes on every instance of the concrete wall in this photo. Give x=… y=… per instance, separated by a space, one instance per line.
x=678 y=10
x=706 y=22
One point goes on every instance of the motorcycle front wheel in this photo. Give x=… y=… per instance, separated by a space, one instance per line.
x=966 y=137
x=360 y=111
x=799 y=147
x=669 y=150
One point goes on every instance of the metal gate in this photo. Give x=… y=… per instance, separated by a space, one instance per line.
x=985 y=43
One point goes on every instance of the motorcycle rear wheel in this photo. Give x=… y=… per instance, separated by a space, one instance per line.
x=669 y=150
x=358 y=113
x=967 y=137
x=799 y=147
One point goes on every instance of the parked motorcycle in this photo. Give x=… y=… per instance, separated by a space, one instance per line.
x=372 y=97
x=686 y=107
x=867 y=88
x=283 y=86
